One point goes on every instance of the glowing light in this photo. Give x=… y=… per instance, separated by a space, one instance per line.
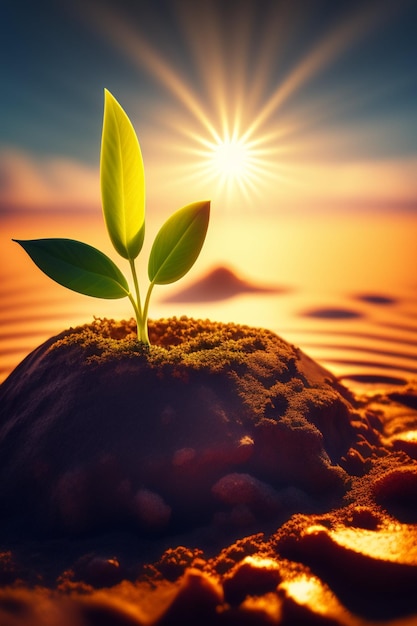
x=231 y=158
x=310 y=591
x=393 y=544
x=232 y=164
x=261 y=562
x=227 y=129
x=410 y=435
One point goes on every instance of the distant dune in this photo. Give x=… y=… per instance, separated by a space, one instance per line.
x=220 y=283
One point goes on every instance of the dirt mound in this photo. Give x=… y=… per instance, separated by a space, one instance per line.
x=221 y=477
x=213 y=422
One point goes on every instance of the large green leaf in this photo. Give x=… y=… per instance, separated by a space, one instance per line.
x=122 y=180
x=178 y=243
x=78 y=266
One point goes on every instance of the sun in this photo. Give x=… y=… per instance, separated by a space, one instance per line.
x=231 y=159
x=232 y=165
x=241 y=120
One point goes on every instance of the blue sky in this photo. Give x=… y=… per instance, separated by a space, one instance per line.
x=324 y=92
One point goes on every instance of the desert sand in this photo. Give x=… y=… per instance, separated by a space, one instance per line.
x=219 y=477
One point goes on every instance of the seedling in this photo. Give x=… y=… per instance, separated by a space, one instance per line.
x=83 y=268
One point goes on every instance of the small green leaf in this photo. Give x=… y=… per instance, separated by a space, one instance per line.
x=122 y=180
x=178 y=243
x=78 y=266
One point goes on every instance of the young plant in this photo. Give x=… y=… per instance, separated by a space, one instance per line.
x=85 y=269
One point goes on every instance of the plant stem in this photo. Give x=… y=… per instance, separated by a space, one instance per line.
x=146 y=305
x=143 y=331
x=141 y=322
x=137 y=313
x=136 y=284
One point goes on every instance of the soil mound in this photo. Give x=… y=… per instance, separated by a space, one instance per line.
x=220 y=477
x=213 y=423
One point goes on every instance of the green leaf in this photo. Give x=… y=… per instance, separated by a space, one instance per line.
x=78 y=266
x=178 y=243
x=122 y=180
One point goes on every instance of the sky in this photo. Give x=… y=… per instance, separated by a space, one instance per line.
x=257 y=105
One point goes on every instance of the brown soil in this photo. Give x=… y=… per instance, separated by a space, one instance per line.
x=220 y=477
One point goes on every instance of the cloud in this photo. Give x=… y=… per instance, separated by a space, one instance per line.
x=64 y=184
x=53 y=183
x=376 y=181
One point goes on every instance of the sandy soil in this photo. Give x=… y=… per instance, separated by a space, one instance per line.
x=221 y=477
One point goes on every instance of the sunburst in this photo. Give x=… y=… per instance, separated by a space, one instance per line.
x=231 y=159
x=230 y=131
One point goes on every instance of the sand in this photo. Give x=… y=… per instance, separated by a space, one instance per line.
x=220 y=477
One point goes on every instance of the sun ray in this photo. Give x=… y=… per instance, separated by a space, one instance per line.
x=125 y=37
x=329 y=48
x=233 y=130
